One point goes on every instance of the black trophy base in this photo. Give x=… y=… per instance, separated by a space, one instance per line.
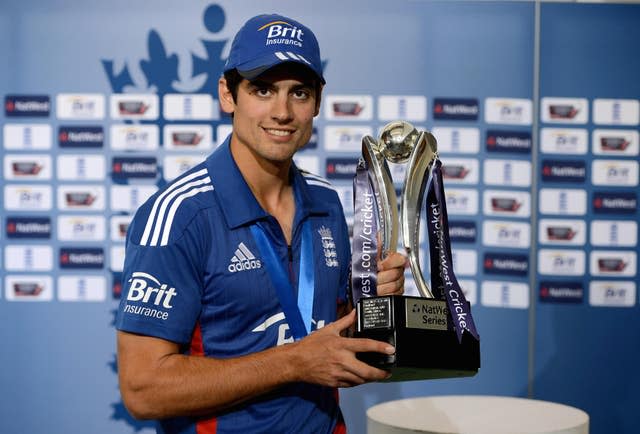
x=421 y=330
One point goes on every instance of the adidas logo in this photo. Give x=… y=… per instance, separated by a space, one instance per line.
x=243 y=260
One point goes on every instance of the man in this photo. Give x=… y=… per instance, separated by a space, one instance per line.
x=237 y=271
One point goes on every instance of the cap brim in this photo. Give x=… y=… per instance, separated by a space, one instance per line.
x=252 y=70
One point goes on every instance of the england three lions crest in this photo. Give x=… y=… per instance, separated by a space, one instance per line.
x=329 y=247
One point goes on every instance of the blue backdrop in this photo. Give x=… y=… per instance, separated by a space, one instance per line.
x=535 y=107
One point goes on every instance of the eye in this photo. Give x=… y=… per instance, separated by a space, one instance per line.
x=301 y=94
x=263 y=91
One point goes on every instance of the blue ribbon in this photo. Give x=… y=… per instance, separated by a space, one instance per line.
x=443 y=280
x=298 y=314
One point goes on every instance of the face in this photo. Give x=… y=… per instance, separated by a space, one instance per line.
x=273 y=114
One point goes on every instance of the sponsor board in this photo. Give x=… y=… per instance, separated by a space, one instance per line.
x=623 y=143
x=613 y=293
x=465 y=262
x=514 y=142
x=128 y=198
x=116 y=260
x=78 y=228
x=513 y=295
x=345 y=194
x=30 y=287
x=507 y=203
x=615 y=233
x=27 y=167
x=564 y=171
x=566 y=141
x=190 y=107
x=28 y=258
x=412 y=108
x=515 y=173
x=461 y=201
x=615 y=202
x=348 y=107
x=621 y=263
x=134 y=106
x=456 y=109
x=81 y=198
x=81 y=167
x=561 y=262
x=31 y=106
x=511 y=111
x=80 y=106
x=564 y=232
x=127 y=137
x=309 y=163
x=341 y=168
x=186 y=138
x=616 y=111
x=80 y=137
x=28 y=227
x=564 y=110
x=561 y=292
x=22 y=137
x=26 y=197
x=124 y=168
x=461 y=171
x=470 y=289
x=503 y=233
x=617 y=173
x=222 y=132
x=463 y=231
x=562 y=201
x=81 y=258
x=508 y=264
x=82 y=288
x=347 y=138
x=457 y=140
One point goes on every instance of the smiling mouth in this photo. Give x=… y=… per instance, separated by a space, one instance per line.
x=281 y=133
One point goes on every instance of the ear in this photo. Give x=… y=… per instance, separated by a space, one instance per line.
x=226 y=99
x=318 y=100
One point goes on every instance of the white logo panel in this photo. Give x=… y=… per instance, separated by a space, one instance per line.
x=621 y=173
x=613 y=263
x=511 y=111
x=80 y=106
x=188 y=138
x=30 y=287
x=134 y=106
x=561 y=262
x=514 y=173
x=19 y=197
x=457 y=140
x=624 y=143
x=82 y=288
x=409 y=108
x=176 y=165
x=616 y=111
x=28 y=258
x=572 y=141
x=81 y=228
x=348 y=107
x=190 y=107
x=29 y=167
x=612 y=293
x=562 y=232
x=81 y=167
x=614 y=233
x=565 y=110
x=126 y=137
x=128 y=198
x=26 y=137
x=507 y=203
x=502 y=233
x=116 y=262
x=462 y=201
x=81 y=198
x=461 y=171
x=118 y=225
x=563 y=201
x=505 y=294
x=345 y=138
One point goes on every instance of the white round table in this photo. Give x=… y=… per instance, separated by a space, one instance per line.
x=468 y=414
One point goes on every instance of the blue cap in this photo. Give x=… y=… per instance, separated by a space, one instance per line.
x=269 y=40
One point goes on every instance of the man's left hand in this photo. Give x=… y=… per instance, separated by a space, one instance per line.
x=391 y=274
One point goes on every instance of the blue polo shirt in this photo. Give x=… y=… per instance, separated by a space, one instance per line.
x=194 y=275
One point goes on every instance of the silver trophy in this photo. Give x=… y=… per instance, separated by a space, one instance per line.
x=437 y=318
x=401 y=142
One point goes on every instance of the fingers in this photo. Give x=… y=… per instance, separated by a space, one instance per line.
x=393 y=260
x=391 y=274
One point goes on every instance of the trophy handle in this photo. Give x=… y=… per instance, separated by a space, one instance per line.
x=413 y=190
x=385 y=193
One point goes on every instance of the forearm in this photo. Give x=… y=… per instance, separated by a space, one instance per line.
x=180 y=385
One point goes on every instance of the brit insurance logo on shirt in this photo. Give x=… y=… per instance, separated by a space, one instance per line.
x=149 y=297
x=513 y=111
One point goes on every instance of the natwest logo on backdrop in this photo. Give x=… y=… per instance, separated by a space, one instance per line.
x=81 y=137
x=456 y=109
x=27 y=106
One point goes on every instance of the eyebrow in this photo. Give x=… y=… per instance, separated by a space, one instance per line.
x=268 y=84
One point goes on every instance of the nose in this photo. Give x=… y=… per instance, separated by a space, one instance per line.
x=281 y=110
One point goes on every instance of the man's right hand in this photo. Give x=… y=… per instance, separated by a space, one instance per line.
x=326 y=357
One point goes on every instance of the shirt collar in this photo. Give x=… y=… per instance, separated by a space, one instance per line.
x=239 y=205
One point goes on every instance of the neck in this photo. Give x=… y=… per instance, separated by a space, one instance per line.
x=269 y=182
